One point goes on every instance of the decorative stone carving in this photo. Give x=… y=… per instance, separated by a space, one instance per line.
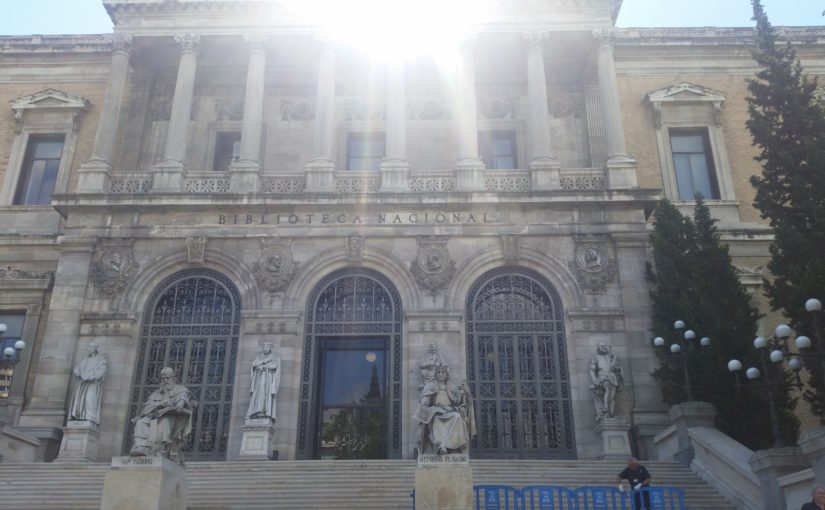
x=16 y=273
x=445 y=414
x=432 y=268
x=428 y=109
x=606 y=380
x=196 y=249
x=89 y=374
x=263 y=388
x=122 y=43
x=497 y=107
x=188 y=43
x=275 y=267
x=428 y=363
x=160 y=107
x=355 y=249
x=113 y=268
x=229 y=108
x=49 y=100
x=359 y=109
x=297 y=109
x=511 y=246
x=592 y=267
x=165 y=420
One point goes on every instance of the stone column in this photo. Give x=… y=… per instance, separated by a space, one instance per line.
x=544 y=168
x=246 y=172
x=47 y=408
x=621 y=168
x=169 y=173
x=395 y=170
x=94 y=174
x=320 y=172
x=469 y=169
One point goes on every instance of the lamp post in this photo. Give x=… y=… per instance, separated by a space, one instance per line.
x=11 y=355
x=812 y=351
x=685 y=349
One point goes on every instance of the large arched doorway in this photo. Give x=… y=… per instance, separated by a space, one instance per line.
x=191 y=324
x=351 y=375
x=517 y=367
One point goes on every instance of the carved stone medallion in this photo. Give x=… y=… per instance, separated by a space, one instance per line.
x=592 y=266
x=432 y=268
x=196 y=249
x=113 y=267
x=355 y=249
x=275 y=267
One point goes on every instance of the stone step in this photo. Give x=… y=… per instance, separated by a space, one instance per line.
x=321 y=485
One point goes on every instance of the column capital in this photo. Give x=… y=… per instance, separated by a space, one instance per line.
x=121 y=43
x=257 y=41
x=606 y=37
x=188 y=43
x=535 y=40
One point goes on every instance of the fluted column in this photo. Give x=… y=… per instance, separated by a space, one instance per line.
x=320 y=172
x=621 y=168
x=544 y=167
x=395 y=171
x=469 y=169
x=169 y=173
x=93 y=174
x=246 y=172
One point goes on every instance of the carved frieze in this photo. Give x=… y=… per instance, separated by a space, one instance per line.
x=592 y=265
x=297 y=109
x=16 y=273
x=275 y=267
x=428 y=109
x=195 y=249
x=229 y=108
x=432 y=268
x=114 y=265
x=358 y=109
x=497 y=107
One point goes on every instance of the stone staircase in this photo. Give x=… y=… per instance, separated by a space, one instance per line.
x=321 y=485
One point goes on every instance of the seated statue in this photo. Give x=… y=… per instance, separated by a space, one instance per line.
x=165 y=420
x=446 y=413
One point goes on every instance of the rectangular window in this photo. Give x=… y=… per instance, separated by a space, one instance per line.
x=39 y=171
x=14 y=330
x=365 y=152
x=693 y=162
x=227 y=151
x=498 y=149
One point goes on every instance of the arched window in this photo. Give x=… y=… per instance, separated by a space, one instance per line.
x=517 y=367
x=351 y=373
x=191 y=324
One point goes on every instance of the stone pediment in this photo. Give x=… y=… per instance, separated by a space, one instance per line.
x=685 y=93
x=50 y=99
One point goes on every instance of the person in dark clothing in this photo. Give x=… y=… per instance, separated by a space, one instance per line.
x=817 y=499
x=637 y=476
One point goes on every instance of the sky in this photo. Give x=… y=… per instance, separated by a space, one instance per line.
x=21 y=17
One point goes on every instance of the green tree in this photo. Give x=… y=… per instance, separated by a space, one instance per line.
x=788 y=128
x=693 y=279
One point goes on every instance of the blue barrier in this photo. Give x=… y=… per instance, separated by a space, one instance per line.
x=599 y=498
x=660 y=498
x=546 y=497
x=497 y=497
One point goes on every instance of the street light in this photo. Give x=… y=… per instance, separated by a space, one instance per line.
x=812 y=351
x=11 y=355
x=686 y=350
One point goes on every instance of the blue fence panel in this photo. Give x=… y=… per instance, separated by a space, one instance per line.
x=497 y=497
x=660 y=498
x=546 y=497
x=599 y=498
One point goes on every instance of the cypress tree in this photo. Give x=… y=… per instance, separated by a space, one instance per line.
x=788 y=129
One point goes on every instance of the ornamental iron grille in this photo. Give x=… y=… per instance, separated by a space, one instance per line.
x=517 y=367
x=192 y=323
x=352 y=314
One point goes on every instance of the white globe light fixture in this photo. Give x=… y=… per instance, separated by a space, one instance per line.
x=8 y=352
x=690 y=335
x=675 y=348
x=704 y=341
x=813 y=305
x=802 y=342
x=734 y=365
x=760 y=342
x=679 y=325
x=795 y=364
x=777 y=356
x=753 y=373
x=3 y=328
x=783 y=331
x=19 y=345
x=659 y=341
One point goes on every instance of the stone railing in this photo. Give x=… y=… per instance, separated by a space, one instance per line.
x=432 y=182
x=206 y=183
x=130 y=183
x=583 y=179
x=723 y=463
x=357 y=182
x=284 y=184
x=507 y=180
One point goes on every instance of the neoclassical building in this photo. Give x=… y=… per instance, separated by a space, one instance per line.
x=216 y=175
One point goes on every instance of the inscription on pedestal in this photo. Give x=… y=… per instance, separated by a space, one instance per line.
x=127 y=461
x=433 y=459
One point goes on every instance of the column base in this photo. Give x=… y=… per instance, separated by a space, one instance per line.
x=93 y=176
x=320 y=175
x=257 y=439
x=144 y=483
x=615 y=436
x=80 y=442
x=545 y=174
x=395 y=175
x=443 y=482
x=245 y=176
x=469 y=175
x=621 y=172
x=168 y=177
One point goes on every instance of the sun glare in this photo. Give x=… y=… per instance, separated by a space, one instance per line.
x=394 y=27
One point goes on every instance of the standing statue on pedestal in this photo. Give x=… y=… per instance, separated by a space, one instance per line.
x=165 y=420
x=266 y=378
x=446 y=412
x=89 y=374
x=606 y=377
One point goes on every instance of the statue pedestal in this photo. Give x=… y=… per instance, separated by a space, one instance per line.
x=79 y=443
x=257 y=439
x=615 y=438
x=144 y=483
x=443 y=482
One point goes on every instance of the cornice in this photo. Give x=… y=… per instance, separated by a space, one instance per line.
x=45 y=44
x=712 y=36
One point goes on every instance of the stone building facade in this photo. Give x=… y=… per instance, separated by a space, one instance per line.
x=217 y=175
